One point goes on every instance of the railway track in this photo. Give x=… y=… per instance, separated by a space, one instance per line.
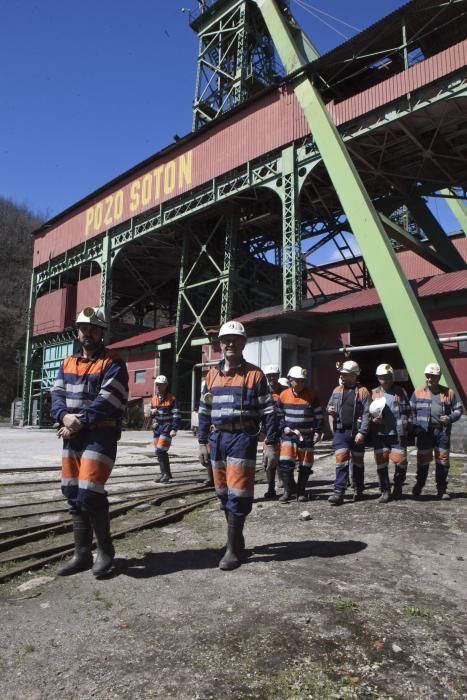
x=35 y=532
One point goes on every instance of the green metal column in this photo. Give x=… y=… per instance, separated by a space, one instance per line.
x=291 y=233
x=434 y=231
x=228 y=275
x=458 y=208
x=178 y=339
x=105 y=298
x=409 y=325
x=27 y=379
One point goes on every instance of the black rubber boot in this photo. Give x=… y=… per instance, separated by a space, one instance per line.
x=242 y=539
x=164 y=465
x=336 y=499
x=287 y=477
x=210 y=480
x=105 y=550
x=232 y=558
x=422 y=475
x=82 y=557
x=303 y=475
x=271 y=494
x=399 y=479
x=442 y=493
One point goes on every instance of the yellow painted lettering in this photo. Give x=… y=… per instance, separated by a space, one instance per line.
x=134 y=195
x=156 y=173
x=89 y=220
x=118 y=205
x=169 y=177
x=108 y=210
x=185 y=169
x=98 y=216
x=146 y=189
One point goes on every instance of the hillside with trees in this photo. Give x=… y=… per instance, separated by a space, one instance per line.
x=16 y=245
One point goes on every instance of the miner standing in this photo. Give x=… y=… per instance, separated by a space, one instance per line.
x=88 y=399
x=235 y=401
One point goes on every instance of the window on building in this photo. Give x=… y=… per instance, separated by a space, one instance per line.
x=140 y=376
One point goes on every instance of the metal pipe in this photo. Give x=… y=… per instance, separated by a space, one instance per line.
x=382 y=346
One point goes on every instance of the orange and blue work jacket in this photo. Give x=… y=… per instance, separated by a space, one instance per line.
x=420 y=403
x=400 y=407
x=302 y=412
x=167 y=416
x=239 y=397
x=95 y=388
x=361 y=411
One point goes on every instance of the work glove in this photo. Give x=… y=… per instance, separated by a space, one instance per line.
x=203 y=455
x=270 y=457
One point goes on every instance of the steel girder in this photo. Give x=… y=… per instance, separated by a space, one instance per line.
x=266 y=171
x=397 y=298
x=235 y=58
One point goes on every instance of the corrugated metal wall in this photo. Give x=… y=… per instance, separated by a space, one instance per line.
x=88 y=292
x=50 y=312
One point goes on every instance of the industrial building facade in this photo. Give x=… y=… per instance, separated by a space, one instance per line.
x=230 y=221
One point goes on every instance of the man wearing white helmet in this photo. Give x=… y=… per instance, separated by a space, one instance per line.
x=390 y=414
x=166 y=421
x=88 y=399
x=349 y=408
x=301 y=426
x=272 y=373
x=235 y=400
x=434 y=409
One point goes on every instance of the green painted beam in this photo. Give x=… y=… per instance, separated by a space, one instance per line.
x=434 y=231
x=402 y=236
x=404 y=314
x=458 y=208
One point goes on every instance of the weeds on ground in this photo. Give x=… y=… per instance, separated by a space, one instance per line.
x=343 y=604
x=106 y=603
x=417 y=612
x=306 y=684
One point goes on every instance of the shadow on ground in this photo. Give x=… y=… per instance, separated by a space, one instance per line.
x=163 y=563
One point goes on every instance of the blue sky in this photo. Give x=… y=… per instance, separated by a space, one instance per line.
x=91 y=88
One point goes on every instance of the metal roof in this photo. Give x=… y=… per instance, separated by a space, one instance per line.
x=427 y=287
x=142 y=338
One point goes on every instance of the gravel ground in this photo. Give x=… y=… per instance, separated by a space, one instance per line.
x=360 y=601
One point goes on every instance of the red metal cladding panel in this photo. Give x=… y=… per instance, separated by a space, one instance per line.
x=88 y=292
x=141 y=374
x=50 y=312
x=70 y=309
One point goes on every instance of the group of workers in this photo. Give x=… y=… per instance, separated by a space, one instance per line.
x=240 y=404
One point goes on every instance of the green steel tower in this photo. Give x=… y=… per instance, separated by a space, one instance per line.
x=236 y=57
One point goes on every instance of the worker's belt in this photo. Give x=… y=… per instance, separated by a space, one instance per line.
x=117 y=424
x=235 y=426
x=307 y=431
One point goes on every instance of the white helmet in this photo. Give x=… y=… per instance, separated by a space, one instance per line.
x=384 y=369
x=161 y=379
x=283 y=381
x=232 y=328
x=93 y=316
x=349 y=367
x=297 y=372
x=271 y=369
x=432 y=368
x=377 y=407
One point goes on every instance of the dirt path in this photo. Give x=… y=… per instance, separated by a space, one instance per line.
x=361 y=601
